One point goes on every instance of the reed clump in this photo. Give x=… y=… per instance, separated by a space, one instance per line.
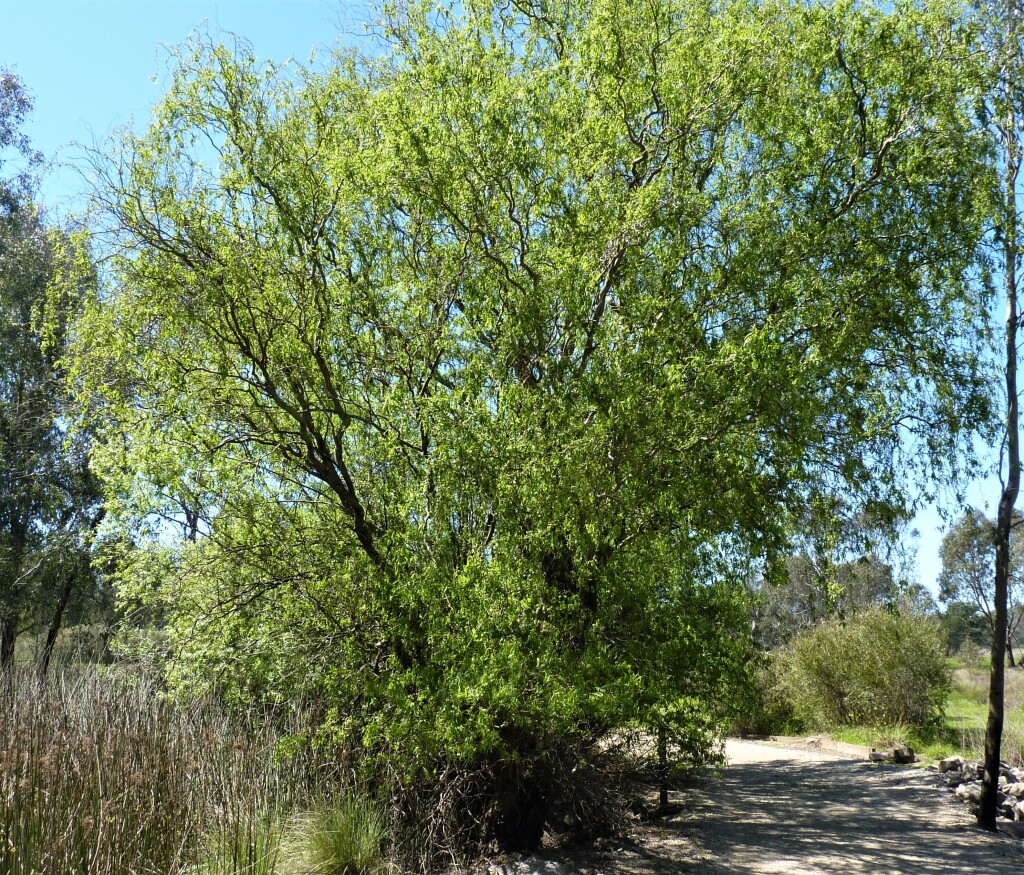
x=101 y=774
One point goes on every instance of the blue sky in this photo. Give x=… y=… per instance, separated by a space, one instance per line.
x=94 y=65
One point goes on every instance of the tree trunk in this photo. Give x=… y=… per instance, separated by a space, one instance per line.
x=1010 y=661
x=1004 y=519
x=521 y=809
x=994 y=726
x=662 y=768
x=56 y=623
x=8 y=635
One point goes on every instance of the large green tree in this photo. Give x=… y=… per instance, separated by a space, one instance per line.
x=491 y=365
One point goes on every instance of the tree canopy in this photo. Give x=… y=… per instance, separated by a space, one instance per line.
x=483 y=371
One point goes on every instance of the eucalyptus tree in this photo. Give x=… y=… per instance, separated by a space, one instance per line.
x=968 y=562
x=1003 y=39
x=837 y=565
x=504 y=355
x=14 y=106
x=26 y=431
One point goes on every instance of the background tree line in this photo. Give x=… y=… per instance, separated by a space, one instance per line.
x=51 y=500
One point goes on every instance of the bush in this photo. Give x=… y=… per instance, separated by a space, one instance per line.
x=769 y=710
x=879 y=668
x=570 y=788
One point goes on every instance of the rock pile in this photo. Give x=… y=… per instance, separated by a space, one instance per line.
x=964 y=779
x=902 y=755
x=532 y=866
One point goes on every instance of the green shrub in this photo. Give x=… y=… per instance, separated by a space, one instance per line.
x=769 y=710
x=879 y=668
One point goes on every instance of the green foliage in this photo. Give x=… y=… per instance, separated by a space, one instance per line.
x=769 y=710
x=837 y=564
x=965 y=626
x=881 y=668
x=968 y=555
x=479 y=374
x=15 y=106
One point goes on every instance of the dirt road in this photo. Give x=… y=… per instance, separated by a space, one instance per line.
x=778 y=811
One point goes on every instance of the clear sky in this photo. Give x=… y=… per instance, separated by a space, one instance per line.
x=93 y=65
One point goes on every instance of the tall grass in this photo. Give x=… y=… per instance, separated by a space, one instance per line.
x=344 y=835
x=100 y=775
x=242 y=847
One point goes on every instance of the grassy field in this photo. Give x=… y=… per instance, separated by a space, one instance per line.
x=967 y=710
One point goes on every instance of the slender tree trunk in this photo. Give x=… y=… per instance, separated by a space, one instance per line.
x=1004 y=518
x=1011 y=662
x=663 y=768
x=56 y=623
x=8 y=636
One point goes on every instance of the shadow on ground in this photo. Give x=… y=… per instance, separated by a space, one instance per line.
x=826 y=817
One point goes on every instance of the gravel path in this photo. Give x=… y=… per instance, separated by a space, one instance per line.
x=781 y=811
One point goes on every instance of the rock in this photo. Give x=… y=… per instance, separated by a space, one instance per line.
x=879 y=756
x=1016 y=789
x=1018 y=811
x=951 y=764
x=904 y=755
x=531 y=866
x=954 y=779
x=970 y=792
